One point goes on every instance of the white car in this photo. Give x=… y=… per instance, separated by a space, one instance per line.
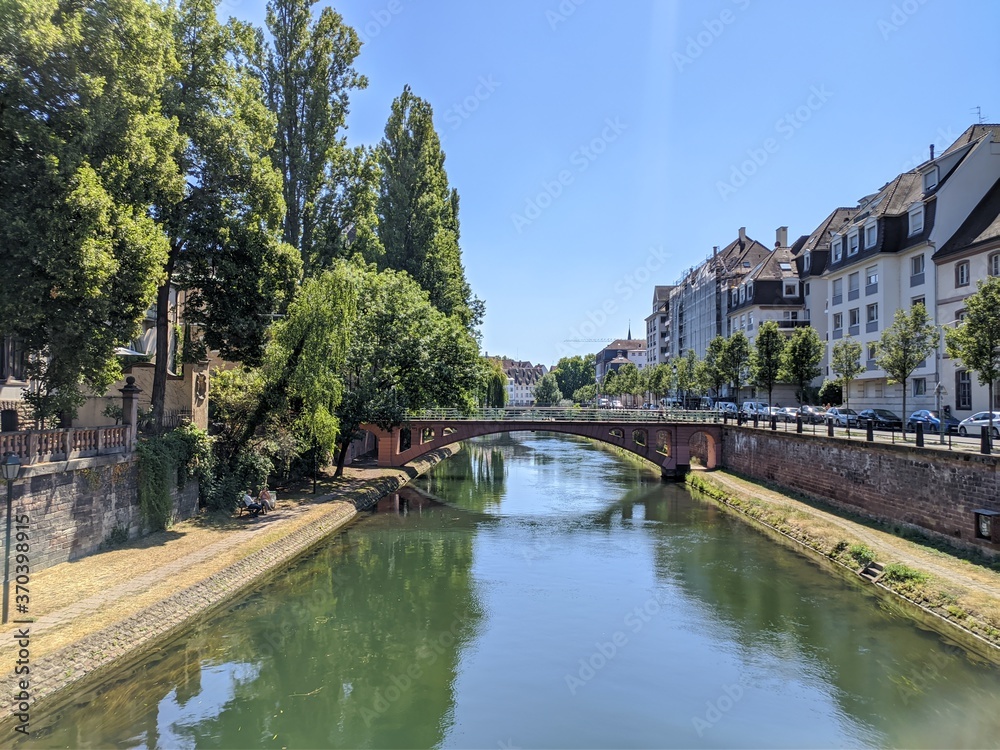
x=974 y=425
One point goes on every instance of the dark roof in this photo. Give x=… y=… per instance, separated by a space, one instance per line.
x=820 y=238
x=971 y=135
x=770 y=268
x=982 y=224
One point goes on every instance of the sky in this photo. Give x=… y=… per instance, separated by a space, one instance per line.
x=600 y=148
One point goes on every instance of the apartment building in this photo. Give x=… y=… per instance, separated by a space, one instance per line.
x=658 y=327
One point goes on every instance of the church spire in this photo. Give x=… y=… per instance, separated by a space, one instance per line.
x=630 y=329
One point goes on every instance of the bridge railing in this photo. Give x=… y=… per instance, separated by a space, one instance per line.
x=558 y=414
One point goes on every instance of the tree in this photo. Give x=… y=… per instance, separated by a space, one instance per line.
x=831 y=392
x=735 y=361
x=547 y=391
x=85 y=149
x=307 y=76
x=800 y=360
x=494 y=384
x=611 y=385
x=629 y=383
x=686 y=375
x=976 y=340
x=224 y=227
x=904 y=346
x=585 y=394
x=661 y=380
x=846 y=365
x=766 y=360
x=418 y=211
x=573 y=373
x=404 y=355
x=713 y=364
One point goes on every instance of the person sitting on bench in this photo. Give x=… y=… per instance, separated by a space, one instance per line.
x=265 y=499
x=250 y=504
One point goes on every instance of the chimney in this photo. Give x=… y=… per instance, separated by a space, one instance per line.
x=743 y=234
x=781 y=237
x=932 y=152
x=715 y=250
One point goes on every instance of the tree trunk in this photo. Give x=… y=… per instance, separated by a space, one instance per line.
x=342 y=458
x=159 y=394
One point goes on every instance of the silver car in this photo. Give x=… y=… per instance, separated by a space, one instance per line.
x=974 y=425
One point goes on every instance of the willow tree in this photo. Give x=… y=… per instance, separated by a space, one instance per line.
x=494 y=384
x=418 y=210
x=85 y=150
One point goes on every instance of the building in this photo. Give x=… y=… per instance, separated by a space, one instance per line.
x=522 y=377
x=658 y=327
x=620 y=352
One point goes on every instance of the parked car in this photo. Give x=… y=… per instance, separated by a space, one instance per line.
x=883 y=419
x=726 y=406
x=603 y=403
x=812 y=414
x=755 y=409
x=974 y=425
x=842 y=417
x=931 y=421
x=787 y=413
x=616 y=404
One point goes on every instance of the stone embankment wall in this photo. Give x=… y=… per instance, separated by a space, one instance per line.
x=73 y=507
x=934 y=491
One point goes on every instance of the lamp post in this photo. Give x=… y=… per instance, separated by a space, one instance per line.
x=11 y=466
x=939 y=390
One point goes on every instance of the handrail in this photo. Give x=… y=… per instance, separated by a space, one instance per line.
x=560 y=414
x=46 y=446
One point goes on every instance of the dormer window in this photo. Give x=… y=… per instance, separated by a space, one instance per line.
x=807 y=261
x=749 y=290
x=871 y=234
x=736 y=298
x=791 y=288
x=931 y=179
x=838 y=249
x=743 y=292
x=916 y=219
x=852 y=243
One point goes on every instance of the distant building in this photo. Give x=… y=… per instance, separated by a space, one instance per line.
x=620 y=352
x=658 y=327
x=522 y=377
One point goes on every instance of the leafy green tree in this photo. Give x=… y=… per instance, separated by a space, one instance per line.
x=573 y=373
x=904 y=346
x=404 y=355
x=585 y=394
x=494 y=384
x=547 y=391
x=629 y=382
x=687 y=375
x=831 y=392
x=418 y=211
x=661 y=381
x=766 y=360
x=735 y=361
x=611 y=385
x=845 y=361
x=348 y=212
x=307 y=75
x=976 y=341
x=85 y=149
x=224 y=228
x=714 y=357
x=800 y=360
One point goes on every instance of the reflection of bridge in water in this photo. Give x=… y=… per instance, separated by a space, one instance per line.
x=668 y=439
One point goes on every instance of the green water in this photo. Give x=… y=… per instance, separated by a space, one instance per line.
x=534 y=591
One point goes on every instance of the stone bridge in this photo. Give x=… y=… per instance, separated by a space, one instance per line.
x=668 y=439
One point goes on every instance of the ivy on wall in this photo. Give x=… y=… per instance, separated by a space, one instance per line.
x=168 y=461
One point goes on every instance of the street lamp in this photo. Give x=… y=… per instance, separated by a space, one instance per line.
x=939 y=391
x=11 y=466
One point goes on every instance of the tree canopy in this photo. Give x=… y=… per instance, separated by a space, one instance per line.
x=800 y=360
x=547 y=391
x=769 y=346
x=976 y=340
x=905 y=345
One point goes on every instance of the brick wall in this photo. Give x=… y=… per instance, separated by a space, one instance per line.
x=74 y=506
x=935 y=491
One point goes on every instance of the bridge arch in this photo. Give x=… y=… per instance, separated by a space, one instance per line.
x=667 y=444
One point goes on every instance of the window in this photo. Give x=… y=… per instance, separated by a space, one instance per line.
x=807 y=261
x=919 y=386
x=962 y=273
x=873 y=313
x=790 y=315
x=931 y=179
x=853 y=282
x=960 y=316
x=838 y=249
x=743 y=322
x=838 y=321
x=994 y=264
x=749 y=321
x=871 y=275
x=838 y=291
x=736 y=298
x=749 y=290
x=791 y=288
x=854 y=316
x=852 y=243
x=871 y=235
x=916 y=220
x=872 y=351
x=743 y=292
x=963 y=390
x=807 y=288
x=918 y=301
x=916 y=265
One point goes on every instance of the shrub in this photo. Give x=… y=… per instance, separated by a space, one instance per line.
x=899 y=573
x=862 y=554
x=170 y=460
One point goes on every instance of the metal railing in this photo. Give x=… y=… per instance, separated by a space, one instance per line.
x=559 y=414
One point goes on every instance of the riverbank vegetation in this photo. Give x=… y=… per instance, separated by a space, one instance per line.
x=942 y=582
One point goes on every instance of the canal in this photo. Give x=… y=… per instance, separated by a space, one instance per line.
x=537 y=591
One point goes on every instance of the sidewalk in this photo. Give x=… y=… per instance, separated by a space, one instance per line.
x=98 y=610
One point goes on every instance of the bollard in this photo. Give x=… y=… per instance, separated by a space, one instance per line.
x=774 y=422
x=870 y=437
x=984 y=441
x=755 y=419
x=919 y=429
x=798 y=425
x=829 y=427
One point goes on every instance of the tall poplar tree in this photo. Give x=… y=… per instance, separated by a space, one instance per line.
x=85 y=150
x=307 y=73
x=418 y=211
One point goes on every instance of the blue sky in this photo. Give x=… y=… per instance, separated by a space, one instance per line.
x=600 y=148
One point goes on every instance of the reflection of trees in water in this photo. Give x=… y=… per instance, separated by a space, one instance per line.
x=754 y=590
x=347 y=649
x=474 y=477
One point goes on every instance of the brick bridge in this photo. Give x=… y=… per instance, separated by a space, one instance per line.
x=668 y=440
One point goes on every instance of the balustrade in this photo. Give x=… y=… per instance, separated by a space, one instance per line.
x=46 y=446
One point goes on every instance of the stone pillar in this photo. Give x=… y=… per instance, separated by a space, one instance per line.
x=130 y=409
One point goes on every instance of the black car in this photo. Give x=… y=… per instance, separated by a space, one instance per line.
x=812 y=414
x=883 y=419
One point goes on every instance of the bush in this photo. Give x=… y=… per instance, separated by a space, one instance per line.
x=899 y=573
x=170 y=460
x=831 y=393
x=862 y=555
